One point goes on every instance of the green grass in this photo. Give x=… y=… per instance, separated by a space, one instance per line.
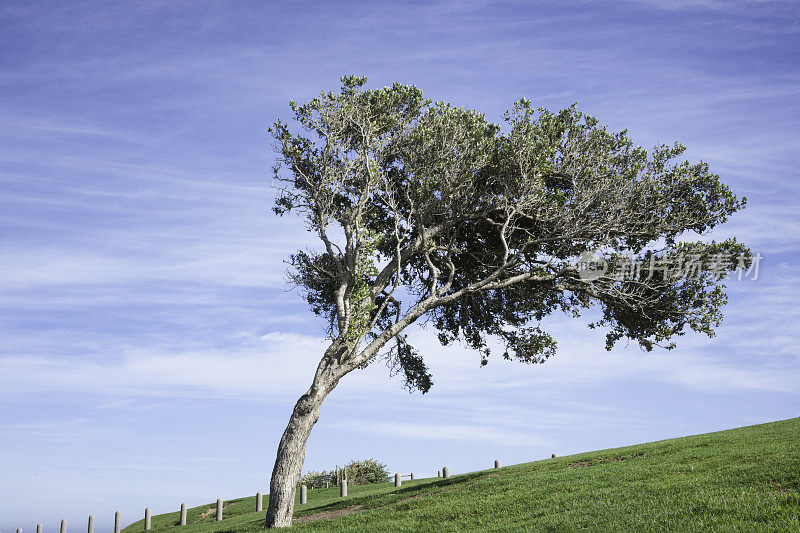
x=742 y=479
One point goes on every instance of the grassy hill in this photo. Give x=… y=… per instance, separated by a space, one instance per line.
x=740 y=479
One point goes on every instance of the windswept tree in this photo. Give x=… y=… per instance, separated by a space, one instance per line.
x=423 y=209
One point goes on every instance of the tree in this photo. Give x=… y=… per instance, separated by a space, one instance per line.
x=428 y=210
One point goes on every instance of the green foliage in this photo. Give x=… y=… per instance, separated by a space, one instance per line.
x=359 y=472
x=316 y=480
x=405 y=360
x=427 y=210
x=743 y=479
x=366 y=471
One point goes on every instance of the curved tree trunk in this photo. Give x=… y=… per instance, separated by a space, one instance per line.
x=289 y=461
x=292 y=449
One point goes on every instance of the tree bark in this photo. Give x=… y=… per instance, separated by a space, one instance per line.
x=292 y=447
x=289 y=460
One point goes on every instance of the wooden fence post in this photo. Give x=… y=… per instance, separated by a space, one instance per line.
x=183 y=514
x=554 y=456
x=397 y=481
x=147 y=519
x=445 y=472
x=219 y=509
x=259 y=501
x=303 y=494
x=438 y=473
x=497 y=463
x=90 y=527
x=38 y=528
x=64 y=526
x=343 y=488
x=412 y=476
x=117 y=521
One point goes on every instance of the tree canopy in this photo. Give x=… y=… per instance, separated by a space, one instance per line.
x=425 y=209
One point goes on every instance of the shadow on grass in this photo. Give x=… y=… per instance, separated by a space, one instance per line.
x=391 y=497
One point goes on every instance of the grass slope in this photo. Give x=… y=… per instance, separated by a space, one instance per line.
x=742 y=479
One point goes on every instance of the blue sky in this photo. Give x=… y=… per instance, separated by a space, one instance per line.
x=150 y=349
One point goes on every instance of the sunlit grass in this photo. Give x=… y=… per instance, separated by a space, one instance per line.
x=743 y=479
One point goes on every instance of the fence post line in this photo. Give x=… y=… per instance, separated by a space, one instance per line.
x=412 y=476
x=259 y=501
x=146 y=519
x=497 y=463
x=117 y=521
x=343 y=488
x=219 y=509
x=183 y=514
x=445 y=472
x=90 y=527
x=397 y=481
x=303 y=494
x=64 y=526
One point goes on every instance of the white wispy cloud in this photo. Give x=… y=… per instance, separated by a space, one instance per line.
x=447 y=432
